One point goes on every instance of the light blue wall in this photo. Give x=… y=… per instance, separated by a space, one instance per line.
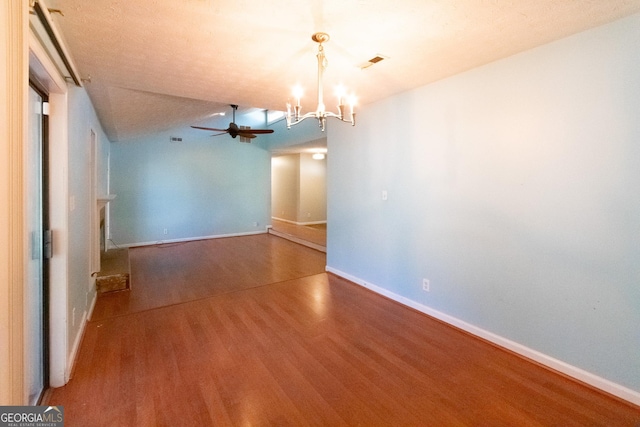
x=305 y=131
x=200 y=187
x=81 y=120
x=514 y=188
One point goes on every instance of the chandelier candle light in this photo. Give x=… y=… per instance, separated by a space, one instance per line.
x=320 y=112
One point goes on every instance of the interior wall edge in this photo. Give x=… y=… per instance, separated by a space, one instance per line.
x=59 y=224
x=574 y=372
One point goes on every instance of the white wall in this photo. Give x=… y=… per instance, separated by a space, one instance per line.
x=285 y=186
x=313 y=189
x=514 y=188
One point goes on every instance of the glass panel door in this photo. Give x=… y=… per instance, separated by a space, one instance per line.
x=35 y=275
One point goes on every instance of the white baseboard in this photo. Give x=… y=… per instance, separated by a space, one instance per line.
x=92 y=305
x=73 y=356
x=71 y=361
x=593 y=380
x=298 y=223
x=298 y=240
x=312 y=223
x=186 y=239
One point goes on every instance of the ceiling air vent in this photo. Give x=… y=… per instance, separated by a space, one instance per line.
x=175 y=139
x=372 y=61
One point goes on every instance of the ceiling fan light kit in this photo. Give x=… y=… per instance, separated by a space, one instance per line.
x=321 y=114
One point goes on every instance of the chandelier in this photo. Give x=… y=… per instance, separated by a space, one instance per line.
x=321 y=114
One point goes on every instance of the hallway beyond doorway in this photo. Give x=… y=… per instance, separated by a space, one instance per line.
x=313 y=236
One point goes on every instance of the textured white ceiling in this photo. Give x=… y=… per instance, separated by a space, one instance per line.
x=160 y=64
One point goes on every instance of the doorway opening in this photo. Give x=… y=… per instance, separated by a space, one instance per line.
x=299 y=196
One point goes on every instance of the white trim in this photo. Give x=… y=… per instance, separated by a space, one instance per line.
x=13 y=136
x=56 y=35
x=59 y=223
x=76 y=347
x=288 y=221
x=298 y=240
x=186 y=239
x=298 y=223
x=603 y=384
x=46 y=70
x=92 y=306
x=94 y=209
x=77 y=342
x=42 y=65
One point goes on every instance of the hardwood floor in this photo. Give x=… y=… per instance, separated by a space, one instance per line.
x=314 y=236
x=269 y=340
x=174 y=273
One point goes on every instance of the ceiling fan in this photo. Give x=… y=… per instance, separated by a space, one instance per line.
x=245 y=132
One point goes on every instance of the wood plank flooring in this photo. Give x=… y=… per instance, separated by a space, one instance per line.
x=314 y=236
x=295 y=351
x=169 y=274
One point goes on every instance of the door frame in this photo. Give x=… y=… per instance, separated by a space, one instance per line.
x=42 y=92
x=13 y=112
x=47 y=73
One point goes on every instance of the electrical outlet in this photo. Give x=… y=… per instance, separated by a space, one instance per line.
x=426 y=285
x=164 y=231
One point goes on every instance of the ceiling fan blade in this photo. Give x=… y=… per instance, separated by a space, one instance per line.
x=203 y=128
x=246 y=135
x=221 y=133
x=255 y=131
